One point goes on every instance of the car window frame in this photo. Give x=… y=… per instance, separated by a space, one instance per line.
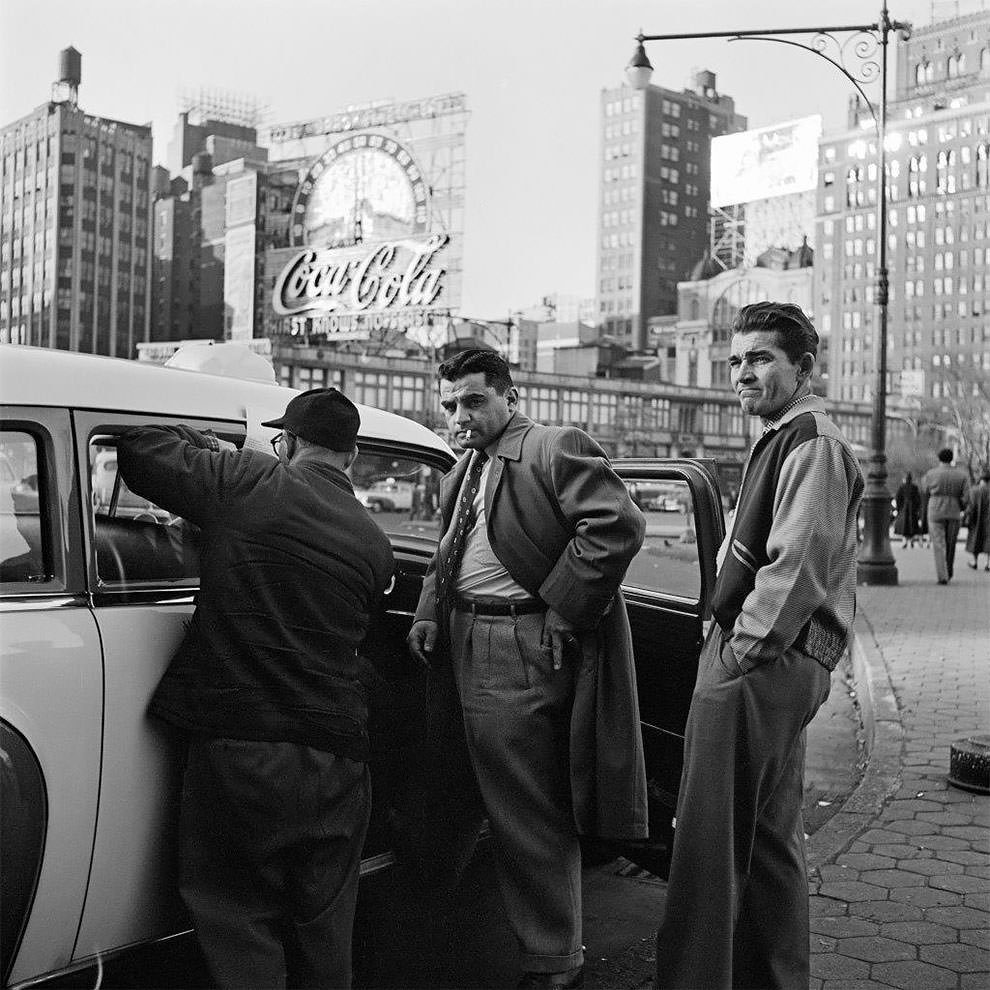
x=700 y=475
x=51 y=428
x=88 y=425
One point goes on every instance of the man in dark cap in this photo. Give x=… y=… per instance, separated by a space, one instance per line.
x=268 y=686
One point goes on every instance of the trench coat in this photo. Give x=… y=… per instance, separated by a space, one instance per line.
x=563 y=525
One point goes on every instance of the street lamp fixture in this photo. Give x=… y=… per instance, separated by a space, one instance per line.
x=859 y=52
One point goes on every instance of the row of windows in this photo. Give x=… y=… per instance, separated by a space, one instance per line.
x=928 y=70
x=613 y=174
x=624 y=105
x=626 y=128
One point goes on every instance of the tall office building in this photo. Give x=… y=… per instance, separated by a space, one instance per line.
x=75 y=226
x=653 y=198
x=938 y=226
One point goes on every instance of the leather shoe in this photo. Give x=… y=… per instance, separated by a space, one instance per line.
x=552 y=981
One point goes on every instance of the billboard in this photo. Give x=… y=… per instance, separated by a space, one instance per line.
x=767 y=162
x=373 y=239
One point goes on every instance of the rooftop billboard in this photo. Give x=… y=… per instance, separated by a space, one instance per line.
x=766 y=162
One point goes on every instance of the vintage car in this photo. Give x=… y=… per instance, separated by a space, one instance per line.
x=95 y=590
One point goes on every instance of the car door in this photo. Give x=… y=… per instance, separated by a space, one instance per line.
x=668 y=590
x=51 y=697
x=142 y=574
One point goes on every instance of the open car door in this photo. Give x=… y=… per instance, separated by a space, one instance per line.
x=668 y=590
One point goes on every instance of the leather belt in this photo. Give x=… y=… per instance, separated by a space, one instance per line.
x=499 y=606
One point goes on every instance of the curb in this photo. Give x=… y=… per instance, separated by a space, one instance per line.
x=884 y=739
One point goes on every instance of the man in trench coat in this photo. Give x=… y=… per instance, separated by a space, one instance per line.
x=523 y=594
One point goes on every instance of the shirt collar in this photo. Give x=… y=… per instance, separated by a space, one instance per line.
x=805 y=403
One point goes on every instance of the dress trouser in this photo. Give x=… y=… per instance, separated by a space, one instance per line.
x=517 y=723
x=944 y=533
x=271 y=836
x=737 y=901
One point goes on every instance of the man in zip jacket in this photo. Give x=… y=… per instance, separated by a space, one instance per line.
x=784 y=601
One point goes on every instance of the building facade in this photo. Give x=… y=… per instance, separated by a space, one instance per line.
x=653 y=198
x=938 y=225
x=75 y=227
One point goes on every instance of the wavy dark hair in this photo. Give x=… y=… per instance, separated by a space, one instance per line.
x=795 y=333
x=494 y=366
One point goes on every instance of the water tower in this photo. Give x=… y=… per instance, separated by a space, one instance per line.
x=66 y=87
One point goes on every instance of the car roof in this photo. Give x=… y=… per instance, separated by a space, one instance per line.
x=39 y=376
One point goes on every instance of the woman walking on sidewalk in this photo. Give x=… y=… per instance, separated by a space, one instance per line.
x=908 y=521
x=978 y=521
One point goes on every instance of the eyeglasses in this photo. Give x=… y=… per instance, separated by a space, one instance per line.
x=275 y=441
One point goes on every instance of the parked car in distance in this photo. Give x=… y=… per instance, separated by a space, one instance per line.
x=387 y=495
x=95 y=594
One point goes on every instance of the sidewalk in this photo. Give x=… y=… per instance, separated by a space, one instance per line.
x=900 y=877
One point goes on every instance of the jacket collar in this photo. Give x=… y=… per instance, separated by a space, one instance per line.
x=509 y=443
x=807 y=403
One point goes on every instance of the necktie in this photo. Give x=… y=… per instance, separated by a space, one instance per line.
x=452 y=547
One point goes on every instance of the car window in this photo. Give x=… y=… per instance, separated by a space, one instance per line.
x=25 y=526
x=667 y=563
x=401 y=493
x=136 y=541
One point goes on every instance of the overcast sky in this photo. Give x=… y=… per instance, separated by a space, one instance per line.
x=532 y=71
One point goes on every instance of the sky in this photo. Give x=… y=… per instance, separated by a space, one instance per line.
x=532 y=70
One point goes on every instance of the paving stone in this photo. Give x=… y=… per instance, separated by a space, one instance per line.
x=902 y=851
x=959 y=883
x=958 y=958
x=942 y=842
x=976 y=936
x=838 y=871
x=930 y=867
x=867 y=861
x=974 y=981
x=958 y=916
x=886 y=911
x=828 y=966
x=965 y=856
x=945 y=819
x=835 y=927
x=972 y=833
x=980 y=901
x=917 y=827
x=853 y=890
x=876 y=949
x=919 y=932
x=882 y=835
x=851 y=985
x=977 y=871
x=892 y=878
x=826 y=906
x=910 y=975
x=924 y=896
x=907 y=809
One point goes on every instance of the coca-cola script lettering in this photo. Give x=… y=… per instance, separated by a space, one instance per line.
x=393 y=275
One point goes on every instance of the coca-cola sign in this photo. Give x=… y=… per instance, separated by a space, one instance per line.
x=392 y=275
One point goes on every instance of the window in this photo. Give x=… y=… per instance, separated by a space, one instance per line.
x=136 y=540
x=401 y=493
x=25 y=529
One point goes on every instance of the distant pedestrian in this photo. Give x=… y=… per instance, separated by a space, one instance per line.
x=784 y=599
x=947 y=489
x=908 y=521
x=978 y=521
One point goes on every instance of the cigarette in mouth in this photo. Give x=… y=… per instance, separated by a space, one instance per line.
x=467 y=434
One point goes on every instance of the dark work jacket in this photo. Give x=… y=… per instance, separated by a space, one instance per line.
x=291 y=567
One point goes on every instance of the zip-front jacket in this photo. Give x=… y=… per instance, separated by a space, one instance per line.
x=290 y=567
x=787 y=574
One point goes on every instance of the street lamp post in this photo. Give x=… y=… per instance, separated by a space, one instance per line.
x=864 y=47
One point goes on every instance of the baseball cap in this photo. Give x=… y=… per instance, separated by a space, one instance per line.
x=324 y=416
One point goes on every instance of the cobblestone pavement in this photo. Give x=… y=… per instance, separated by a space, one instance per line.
x=900 y=877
